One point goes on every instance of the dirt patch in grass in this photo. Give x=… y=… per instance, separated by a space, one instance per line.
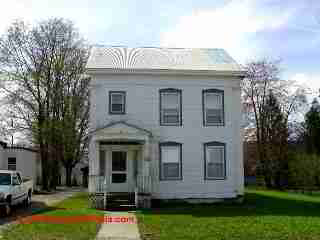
x=75 y=207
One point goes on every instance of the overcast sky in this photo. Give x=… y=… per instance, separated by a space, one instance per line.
x=286 y=29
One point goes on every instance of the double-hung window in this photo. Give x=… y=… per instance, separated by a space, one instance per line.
x=170 y=161
x=215 y=160
x=170 y=107
x=117 y=102
x=12 y=163
x=213 y=107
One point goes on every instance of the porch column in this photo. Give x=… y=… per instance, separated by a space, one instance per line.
x=146 y=164
x=93 y=162
x=146 y=158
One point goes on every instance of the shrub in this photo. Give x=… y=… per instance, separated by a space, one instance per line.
x=304 y=170
x=74 y=181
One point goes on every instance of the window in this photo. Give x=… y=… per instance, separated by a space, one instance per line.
x=119 y=178
x=19 y=177
x=117 y=102
x=15 y=180
x=170 y=161
x=215 y=160
x=170 y=107
x=119 y=161
x=213 y=107
x=12 y=163
x=119 y=167
x=5 y=178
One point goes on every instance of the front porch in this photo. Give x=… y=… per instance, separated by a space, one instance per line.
x=120 y=159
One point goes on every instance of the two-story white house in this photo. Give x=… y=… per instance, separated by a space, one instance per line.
x=165 y=122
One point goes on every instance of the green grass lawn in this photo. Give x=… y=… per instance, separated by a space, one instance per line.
x=74 y=206
x=263 y=215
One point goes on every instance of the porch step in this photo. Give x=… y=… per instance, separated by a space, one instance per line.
x=120 y=201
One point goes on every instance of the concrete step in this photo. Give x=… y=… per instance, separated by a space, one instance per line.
x=120 y=208
x=119 y=201
x=127 y=205
x=122 y=201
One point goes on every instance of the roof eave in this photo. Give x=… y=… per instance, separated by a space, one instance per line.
x=233 y=73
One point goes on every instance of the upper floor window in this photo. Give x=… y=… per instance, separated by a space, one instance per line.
x=12 y=163
x=170 y=107
x=213 y=107
x=215 y=161
x=170 y=161
x=117 y=102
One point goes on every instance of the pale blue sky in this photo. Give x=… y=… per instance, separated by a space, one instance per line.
x=286 y=29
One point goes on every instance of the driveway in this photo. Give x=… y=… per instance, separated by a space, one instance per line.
x=39 y=202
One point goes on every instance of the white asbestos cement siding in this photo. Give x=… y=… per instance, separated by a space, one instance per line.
x=142 y=109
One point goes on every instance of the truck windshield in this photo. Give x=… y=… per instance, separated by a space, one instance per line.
x=5 y=179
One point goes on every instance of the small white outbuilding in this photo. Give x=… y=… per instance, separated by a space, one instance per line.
x=28 y=162
x=23 y=159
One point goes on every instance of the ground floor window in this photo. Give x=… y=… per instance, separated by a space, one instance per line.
x=215 y=160
x=170 y=161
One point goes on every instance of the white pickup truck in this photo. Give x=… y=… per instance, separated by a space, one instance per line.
x=14 y=190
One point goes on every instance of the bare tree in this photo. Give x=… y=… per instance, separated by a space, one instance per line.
x=75 y=124
x=263 y=77
x=39 y=63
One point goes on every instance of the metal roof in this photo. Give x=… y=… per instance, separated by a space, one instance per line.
x=152 y=58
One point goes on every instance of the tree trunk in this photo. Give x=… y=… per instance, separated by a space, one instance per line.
x=44 y=168
x=268 y=179
x=44 y=159
x=68 y=176
x=55 y=170
x=260 y=176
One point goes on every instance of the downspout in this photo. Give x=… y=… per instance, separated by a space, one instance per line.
x=135 y=158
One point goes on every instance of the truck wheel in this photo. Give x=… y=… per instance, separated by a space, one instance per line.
x=7 y=209
x=27 y=201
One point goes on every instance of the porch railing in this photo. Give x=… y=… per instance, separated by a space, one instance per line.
x=144 y=184
x=97 y=184
x=98 y=190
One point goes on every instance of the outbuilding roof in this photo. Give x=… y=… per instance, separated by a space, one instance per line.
x=152 y=58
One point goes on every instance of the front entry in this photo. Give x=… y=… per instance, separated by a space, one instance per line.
x=119 y=163
x=120 y=169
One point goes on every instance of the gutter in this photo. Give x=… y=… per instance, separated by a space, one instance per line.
x=232 y=73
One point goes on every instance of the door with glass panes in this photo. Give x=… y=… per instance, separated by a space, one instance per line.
x=120 y=171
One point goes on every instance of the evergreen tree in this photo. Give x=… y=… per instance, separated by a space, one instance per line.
x=276 y=139
x=312 y=126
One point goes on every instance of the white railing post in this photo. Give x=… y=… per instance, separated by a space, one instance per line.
x=148 y=188
x=136 y=196
x=143 y=182
x=105 y=193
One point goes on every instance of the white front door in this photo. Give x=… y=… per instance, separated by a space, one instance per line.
x=120 y=171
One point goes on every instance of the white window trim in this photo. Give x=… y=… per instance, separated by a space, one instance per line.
x=219 y=146
x=179 y=148
x=163 y=92
x=10 y=164
x=123 y=103
x=219 y=93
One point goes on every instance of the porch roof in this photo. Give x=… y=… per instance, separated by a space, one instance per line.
x=120 y=131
